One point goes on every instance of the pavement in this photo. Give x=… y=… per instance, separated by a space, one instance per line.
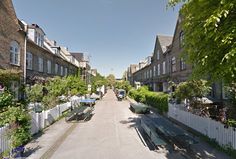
x=109 y=134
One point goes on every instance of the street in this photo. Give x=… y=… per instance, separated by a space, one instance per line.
x=110 y=134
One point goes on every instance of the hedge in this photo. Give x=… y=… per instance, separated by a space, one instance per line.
x=157 y=100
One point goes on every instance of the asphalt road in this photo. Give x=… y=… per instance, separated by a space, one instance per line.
x=110 y=134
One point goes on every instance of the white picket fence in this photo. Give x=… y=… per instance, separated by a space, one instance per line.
x=39 y=121
x=211 y=128
x=4 y=142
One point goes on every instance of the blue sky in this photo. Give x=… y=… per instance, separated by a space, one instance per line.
x=114 y=33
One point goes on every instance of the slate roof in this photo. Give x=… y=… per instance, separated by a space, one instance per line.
x=165 y=41
x=79 y=56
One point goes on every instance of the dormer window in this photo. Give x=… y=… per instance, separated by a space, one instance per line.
x=39 y=38
x=36 y=34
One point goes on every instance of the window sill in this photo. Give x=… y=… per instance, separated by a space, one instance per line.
x=18 y=65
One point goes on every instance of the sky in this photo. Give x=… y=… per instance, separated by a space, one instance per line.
x=113 y=33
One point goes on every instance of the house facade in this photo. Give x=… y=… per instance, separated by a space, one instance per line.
x=25 y=48
x=12 y=38
x=85 y=68
x=168 y=64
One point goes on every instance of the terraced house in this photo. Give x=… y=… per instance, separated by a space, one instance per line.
x=25 y=48
x=168 y=64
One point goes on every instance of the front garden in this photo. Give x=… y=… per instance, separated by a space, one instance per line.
x=15 y=119
x=157 y=100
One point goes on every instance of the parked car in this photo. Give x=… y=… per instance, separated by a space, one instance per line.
x=121 y=94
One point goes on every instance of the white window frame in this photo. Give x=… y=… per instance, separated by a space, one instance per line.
x=49 y=66
x=158 y=69
x=158 y=55
x=29 y=61
x=164 y=67
x=182 y=64
x=40 y=64
x=56 y=68
x=173 y=64
x=61 y=71
x=15 y=53
x=66 y=71
x=154 y=71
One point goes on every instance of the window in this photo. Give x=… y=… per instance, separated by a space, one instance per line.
x=49 y=67
x=14 y=53
x=66 y=71
x=15 y=89
x=38 y=38
x=56 y=69
x=150 y=73
x=182 y=64
x=61 y=71
x=42 y=39
x=154 y=71
x=158 y=54
x=29 y=61
x=40 y=64
x=158 y=69
x=181 y=38
x=173 y=64
x=164 y=67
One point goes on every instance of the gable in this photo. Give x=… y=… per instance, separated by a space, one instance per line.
x=8 y=20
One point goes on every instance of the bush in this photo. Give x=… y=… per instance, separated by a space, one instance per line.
x=5 y=100
x=155 y=99
x=35 y=93
x=19 y=125
x=192 y=89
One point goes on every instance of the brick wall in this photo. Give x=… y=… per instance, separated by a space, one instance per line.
x=9 y=31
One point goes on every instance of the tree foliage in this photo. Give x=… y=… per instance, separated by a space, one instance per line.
x=111 y=80
x=210 y=37
x=192 y=90
x=98 y=81
x=123 y=85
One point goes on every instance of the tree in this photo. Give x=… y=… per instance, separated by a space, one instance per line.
x=210 y=37
x=98 y=81
x=123 y=85
x=111 y=80
x=192 y=90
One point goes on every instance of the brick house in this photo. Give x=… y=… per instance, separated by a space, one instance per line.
x=168 y=64
x=12 y=43
x=12 y=38
x=44 y=60
x=85 y=68
x=25 y=48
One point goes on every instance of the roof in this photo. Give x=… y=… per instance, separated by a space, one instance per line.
x=165 y=41
x=78 y=56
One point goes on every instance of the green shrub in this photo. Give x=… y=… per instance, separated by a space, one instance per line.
x=35 y=93
x=5 y=100
x=19 y=125
x=157 y=100
x=154 y=99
